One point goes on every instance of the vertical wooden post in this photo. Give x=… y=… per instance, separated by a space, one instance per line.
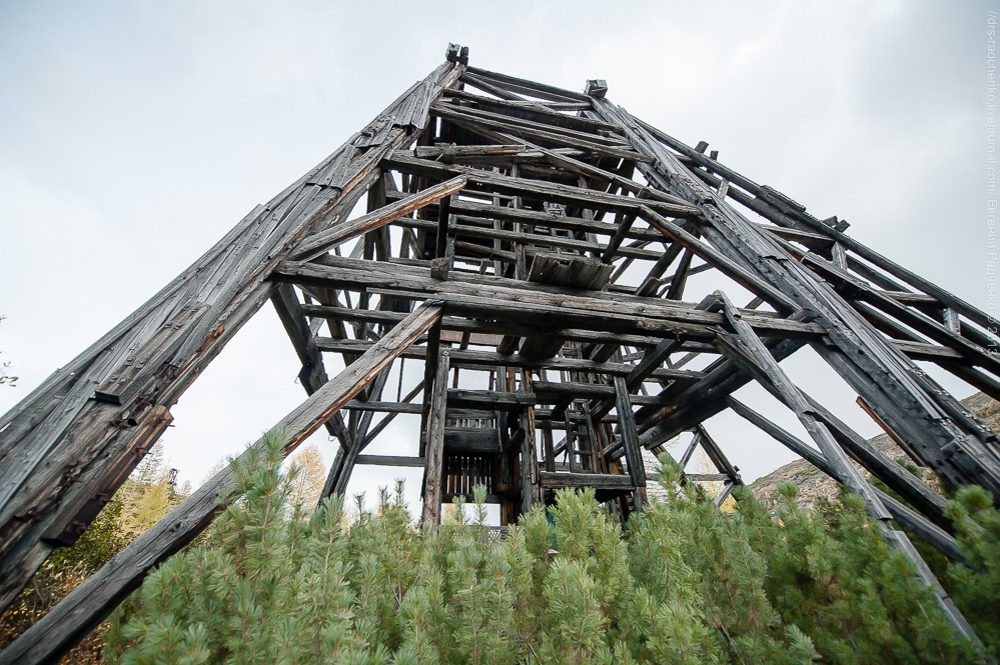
x=630 y=441
x=434 y=447
x=530 y=488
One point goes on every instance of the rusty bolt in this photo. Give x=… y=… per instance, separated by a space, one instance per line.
x=123 y=422
x=31 y=515
x=102 y=498
x=69 y=478
x=76 y=528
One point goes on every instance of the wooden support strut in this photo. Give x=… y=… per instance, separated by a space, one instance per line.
x=434 y=445
x=93 y=601
x=866 y=360
x=630 y=442
x=935 y=535
x=837 y=460
x=318 y=244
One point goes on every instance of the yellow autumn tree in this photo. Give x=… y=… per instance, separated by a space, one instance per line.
x=307 y=482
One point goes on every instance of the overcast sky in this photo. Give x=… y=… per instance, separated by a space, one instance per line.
x=134 y=134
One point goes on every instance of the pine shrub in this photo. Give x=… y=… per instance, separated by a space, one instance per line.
x=681 y=584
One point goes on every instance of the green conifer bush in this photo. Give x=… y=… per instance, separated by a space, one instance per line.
x=681 y=584
x=975 y=585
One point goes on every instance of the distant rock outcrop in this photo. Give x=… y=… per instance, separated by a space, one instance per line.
x=813 y=484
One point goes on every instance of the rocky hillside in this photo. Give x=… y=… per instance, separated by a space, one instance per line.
x=813 y=484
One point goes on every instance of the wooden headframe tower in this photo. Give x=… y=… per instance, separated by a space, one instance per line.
x=528 y=248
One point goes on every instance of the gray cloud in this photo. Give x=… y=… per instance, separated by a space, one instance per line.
x=134 y=135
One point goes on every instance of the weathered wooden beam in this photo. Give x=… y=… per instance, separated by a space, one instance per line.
x=506 y=123
x=95 y=598
x=539 y=90
x=434 y=444
x=391 y=460
x=467 y=211
x=516 y=297
x=717 y=456
x=911 y=488
x=892 y=304
x=599 y=481
x=487 y=181
x=530 y=484
x=345 y=459
x=933 y=534
x=468 y=358
x=750 y=351
x=464 y=398
x=755 y=353
x=317 y=244
x=488 y=87
x=677 y=283
x=499 y=132
x=536 y=240
x=313 y=373
x=538 y=113
x=630 y=441
x=738 y=273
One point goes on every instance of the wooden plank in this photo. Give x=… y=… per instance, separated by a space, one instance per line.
x=530 y=485
x=717 y=456
x=313 y=372
x=488 y=87
x=624 y=226
x=488 y=359
x=476 y=230
x=479 y=180
x=518 y=296
x=471 y=440
x=391 y=460
x=464 y=398
x=511 y=124
x=319 y=243
x=691 y=404
x=382 y=407
x=891 y=304
x=706 y=477
x=596 y=480
x=536 y=112
x=578 y=272
x=465 y=210
x=532 y=88
x=121 y=385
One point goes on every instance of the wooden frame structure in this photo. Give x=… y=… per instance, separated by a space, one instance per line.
x=538 y=242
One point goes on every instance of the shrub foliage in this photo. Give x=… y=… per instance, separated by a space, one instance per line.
x=681 y=584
